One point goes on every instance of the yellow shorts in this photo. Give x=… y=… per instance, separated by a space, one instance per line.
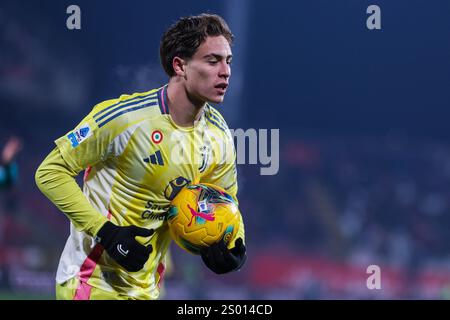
x=74 y=289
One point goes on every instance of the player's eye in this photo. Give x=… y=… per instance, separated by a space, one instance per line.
x=213 y=62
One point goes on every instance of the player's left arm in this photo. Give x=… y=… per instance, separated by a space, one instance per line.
x=218 y=257
x=225 y=176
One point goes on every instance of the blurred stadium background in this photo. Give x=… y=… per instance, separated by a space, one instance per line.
x=364 y=139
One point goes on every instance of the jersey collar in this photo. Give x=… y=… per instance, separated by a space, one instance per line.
x=163 y=100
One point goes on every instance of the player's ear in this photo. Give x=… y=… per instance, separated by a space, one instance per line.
x=179 y=66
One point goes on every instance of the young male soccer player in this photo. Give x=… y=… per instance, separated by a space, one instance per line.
x=138 y=151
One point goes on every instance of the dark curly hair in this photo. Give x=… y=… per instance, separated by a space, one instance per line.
x=184 y=37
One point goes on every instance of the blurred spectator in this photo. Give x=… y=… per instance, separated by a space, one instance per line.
x=8 y=166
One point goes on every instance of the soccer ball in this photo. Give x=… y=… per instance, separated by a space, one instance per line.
x=202 y=214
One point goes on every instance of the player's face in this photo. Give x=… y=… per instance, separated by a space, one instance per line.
x=209 y=70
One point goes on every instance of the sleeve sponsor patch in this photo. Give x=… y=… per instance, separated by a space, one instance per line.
x=78 y=136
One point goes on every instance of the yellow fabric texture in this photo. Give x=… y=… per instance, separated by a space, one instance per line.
x=56 y=181
x=67 y=291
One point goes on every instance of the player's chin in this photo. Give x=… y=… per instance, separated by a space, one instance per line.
x=218 y=98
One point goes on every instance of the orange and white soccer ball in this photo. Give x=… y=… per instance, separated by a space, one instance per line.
x=202 y=214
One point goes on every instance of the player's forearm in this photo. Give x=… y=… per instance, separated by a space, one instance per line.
x=240 y=233
x=56 y=181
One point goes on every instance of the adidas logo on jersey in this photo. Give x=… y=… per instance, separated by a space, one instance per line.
x=155 y=158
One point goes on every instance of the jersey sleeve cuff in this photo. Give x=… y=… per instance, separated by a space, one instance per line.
x=96 y=225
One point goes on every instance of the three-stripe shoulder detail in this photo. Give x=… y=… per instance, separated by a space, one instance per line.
x=216 y=118
x=106 y=115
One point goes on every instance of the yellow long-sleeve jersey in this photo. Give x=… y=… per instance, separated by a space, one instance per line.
x=135 y=160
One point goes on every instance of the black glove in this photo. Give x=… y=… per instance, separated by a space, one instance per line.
x=121 y=245
x=220 y=259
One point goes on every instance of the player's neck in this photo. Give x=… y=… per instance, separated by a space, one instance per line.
x=183 y=109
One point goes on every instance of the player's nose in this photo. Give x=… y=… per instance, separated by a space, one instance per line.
x=225 y=70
